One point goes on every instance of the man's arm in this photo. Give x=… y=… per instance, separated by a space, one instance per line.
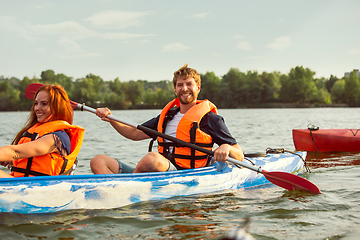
x=125 y=130
x=215 y=126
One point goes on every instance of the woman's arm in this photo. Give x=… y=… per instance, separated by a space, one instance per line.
x=41 y=146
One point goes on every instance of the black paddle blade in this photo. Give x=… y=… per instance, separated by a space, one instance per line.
x=291 y=182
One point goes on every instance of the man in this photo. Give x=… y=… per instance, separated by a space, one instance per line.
x=192 y=121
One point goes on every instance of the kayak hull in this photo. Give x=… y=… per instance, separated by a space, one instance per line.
x=327 y=140
x=57 y=193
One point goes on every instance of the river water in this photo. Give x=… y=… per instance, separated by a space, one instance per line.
x=274 y=213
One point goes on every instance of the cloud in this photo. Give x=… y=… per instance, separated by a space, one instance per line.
x=280 y=43
x=9 y=24
x=200 y=15
x=72 y=49
x=40 y=50
x=174 y=47
x=76 y=31
x=114 y=19
x=68 y=28
x=66 y=33
x=122 y=35
x=244 y=46
x=238 y=36
x=254 y=57
x=354 y=51
x=69 y=45
x=31 y=31
x=77 y=55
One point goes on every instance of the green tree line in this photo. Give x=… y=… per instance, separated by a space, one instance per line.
x=233 y=90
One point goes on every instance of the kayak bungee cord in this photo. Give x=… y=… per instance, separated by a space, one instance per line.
x=282 y=150
x=312 y=127
x=357 y=130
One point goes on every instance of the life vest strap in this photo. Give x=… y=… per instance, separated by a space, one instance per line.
x=151 y=144
x=205 y=145
x=28 y=167
x=64 y=165
x=168 y=144
x=32 y=136
x=35 y=173
x=199 y=157
x=70 y=170
x=192 y=140
x=28 y=172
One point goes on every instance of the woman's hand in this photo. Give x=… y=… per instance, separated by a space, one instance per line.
x=6 y=164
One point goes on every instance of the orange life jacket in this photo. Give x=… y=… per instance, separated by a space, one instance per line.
x=53 y=163
x=188 y=130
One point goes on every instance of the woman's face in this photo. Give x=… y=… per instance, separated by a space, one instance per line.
x=42 y=107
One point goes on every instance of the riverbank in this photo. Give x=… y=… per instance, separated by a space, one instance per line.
x=291 y=105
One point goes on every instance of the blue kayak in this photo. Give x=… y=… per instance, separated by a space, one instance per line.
x=57 y=193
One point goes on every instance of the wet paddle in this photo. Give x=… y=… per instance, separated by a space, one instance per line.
x=282 y=179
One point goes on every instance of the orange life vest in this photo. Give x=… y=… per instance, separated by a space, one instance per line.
x=188 y=130
x=52 y=163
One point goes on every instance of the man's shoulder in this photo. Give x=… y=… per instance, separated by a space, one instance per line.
x=211 y=119
x=213 y=116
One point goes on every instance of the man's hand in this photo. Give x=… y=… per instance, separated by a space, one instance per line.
x=102 y=113
x=225 y=150
x=222 y=152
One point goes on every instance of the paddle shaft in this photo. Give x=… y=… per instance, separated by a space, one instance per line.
x=170 y=138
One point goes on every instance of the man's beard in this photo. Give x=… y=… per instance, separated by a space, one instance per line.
x=188 y=99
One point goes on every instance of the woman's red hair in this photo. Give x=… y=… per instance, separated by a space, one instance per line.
x=59 y=106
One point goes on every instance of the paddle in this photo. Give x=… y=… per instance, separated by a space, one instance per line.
x=283 y=179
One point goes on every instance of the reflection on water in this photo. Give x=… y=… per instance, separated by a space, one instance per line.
x=336 y=159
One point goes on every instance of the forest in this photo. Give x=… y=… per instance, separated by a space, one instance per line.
x=235 y=89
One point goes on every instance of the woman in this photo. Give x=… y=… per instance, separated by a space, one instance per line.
x=48 y=144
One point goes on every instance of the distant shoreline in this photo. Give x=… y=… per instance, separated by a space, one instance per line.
x=290 y=105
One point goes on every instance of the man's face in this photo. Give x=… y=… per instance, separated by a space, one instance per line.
x=186 y=90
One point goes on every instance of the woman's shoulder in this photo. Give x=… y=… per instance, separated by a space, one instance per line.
x=61 y=134
x=64 y=138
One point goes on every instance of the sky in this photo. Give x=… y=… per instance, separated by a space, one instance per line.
x=150 y=40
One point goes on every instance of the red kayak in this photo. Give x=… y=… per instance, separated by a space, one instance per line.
x=314 y=139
